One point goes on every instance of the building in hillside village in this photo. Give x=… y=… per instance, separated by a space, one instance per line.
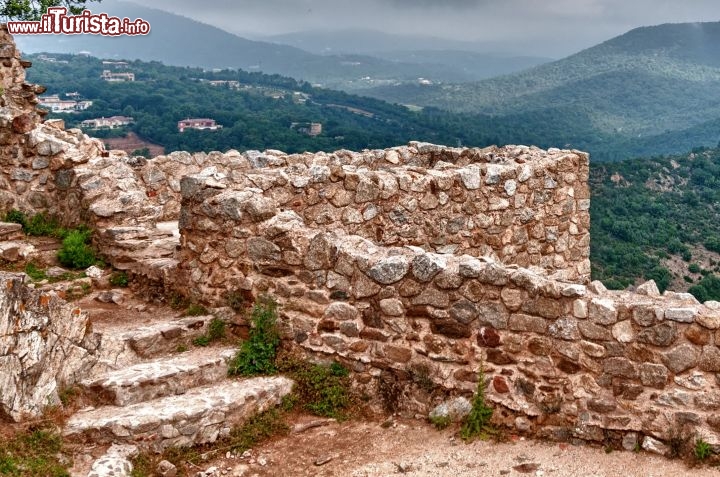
x=108 y=75
x=115 y=64
x=57 y=105
x=112 y=122
x=232 y=84
x=198 y=123
x=311 y=129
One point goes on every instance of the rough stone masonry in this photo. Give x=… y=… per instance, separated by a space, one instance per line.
x=415 y=260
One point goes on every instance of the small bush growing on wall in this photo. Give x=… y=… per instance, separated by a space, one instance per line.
x=257 y=354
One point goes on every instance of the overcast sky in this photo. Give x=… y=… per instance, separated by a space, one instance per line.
x=548 y=27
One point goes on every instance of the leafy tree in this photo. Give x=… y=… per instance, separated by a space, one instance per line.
x=33 y=9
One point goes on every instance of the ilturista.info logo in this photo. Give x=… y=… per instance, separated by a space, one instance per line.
x=57 y=21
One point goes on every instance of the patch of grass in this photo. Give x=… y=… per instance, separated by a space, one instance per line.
x=35 y=273
x=258 y=429
x=257 y=354
x=440 y=422
x=76 y=251
x=477 y=423
x=38 y=274
x=32 y=454
x=119 y=279
x=181 y=348
x=320 y=389
x=196 y=310
x=215 y=332
x=39 y=225
x=75 y=292
x=702 y=449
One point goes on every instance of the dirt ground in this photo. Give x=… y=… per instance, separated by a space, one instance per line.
x=414 y=448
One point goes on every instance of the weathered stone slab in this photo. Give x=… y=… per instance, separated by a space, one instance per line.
x=202 y=415
x=162 y=377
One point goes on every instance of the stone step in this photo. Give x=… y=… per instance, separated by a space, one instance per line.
x=10 y=231
x=161 y=377
x=200 y=416
x=123 y=344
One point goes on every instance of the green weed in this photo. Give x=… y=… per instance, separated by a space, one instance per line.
x=320 y=389
x=257 y=354
x=215 y=332
x=702 y=450
x=477 y=423
x=119 y=279
x=196 y=310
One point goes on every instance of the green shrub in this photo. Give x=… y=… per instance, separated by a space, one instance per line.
x=16 y=217
x=119 y=279
x=257 y=353
x=76 y=251
x=322 y=390
x=196 y=310
x=477 y=423
x=702 y=450
x=707 y=289
x=440 y=422
x=694 y=268
x=41 y=225
x=215 y=332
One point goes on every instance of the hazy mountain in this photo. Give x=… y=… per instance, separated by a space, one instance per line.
x=373 y=42
x=177 y=40
x=651 y=81
x=472 y=59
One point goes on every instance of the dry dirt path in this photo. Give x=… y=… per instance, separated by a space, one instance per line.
x=415 y=449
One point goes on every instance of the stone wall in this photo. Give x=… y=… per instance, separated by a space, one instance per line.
x=520 y=205
x=36 y=159
x=563 y=360
x=45 y=345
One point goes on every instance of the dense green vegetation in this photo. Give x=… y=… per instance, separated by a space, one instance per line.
x=646 y=210
x=254 y=117
x=76 y=250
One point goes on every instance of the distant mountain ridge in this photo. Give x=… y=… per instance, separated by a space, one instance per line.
x=181 y=41
x=651 y=81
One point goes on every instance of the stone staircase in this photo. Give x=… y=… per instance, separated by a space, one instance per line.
x=152 y=394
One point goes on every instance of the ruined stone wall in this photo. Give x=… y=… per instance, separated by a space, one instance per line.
x=36 y=159
x=563 y=360
x=45 y=345
x=528 y=207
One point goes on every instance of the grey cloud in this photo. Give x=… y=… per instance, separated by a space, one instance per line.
x=549 y=28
